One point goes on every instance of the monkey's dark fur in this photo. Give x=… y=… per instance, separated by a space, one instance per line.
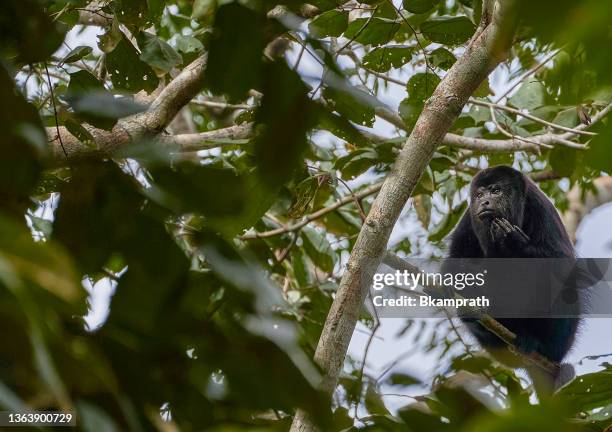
x=510 y=217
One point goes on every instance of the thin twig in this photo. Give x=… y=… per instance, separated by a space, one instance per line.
x=358 y=33
x=530 y=117
x=528 y=73
x=285 y=252
x=59 y=136
x=223 y=105
x=416 y=37
x=511 y=135
x=365 y=353
x=299 y=57
x=319 y=213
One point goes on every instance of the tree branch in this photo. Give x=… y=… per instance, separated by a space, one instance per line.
x=500 y=145
x=208 y=140
x=482 y=55
x=93 y=15
x=160 y=113
x=316 y=215
x=176 y=94
x=487 y=321
x=530 y=117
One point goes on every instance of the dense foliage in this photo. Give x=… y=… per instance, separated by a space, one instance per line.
x=223 y=255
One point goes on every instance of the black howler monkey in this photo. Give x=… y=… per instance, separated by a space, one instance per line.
x=510 y=217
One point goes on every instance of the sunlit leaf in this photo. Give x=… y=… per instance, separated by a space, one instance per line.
x=419 y=6
x=158 y=54
x=127 y=71
x=374 y=31
x=77 y=54
x=331 y=23
x=383 y=59
x=448 y=30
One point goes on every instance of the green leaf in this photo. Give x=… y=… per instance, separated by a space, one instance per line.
x=357 y=162
x=29 y=34
x=422 y=205
x=471 y=363
x=77 y=54
x=402 y=379
x=409 y=110
x=127 y=71
x=447 y=224
x=421 y=86
x=442 y=58
x=383 y=59
x=82 y=82
x=80 y=132
x=187 y=44
x=211 y=191
x=93 y=418
x=563 y=160
x=479 y=114
x=228 y=73
x=530 y=95
x=138 y=14
x=351 y=103
x=372 y=31
x=373 y=401
x=342 y=420
x=483 y=89
x=283 y=120
x=111 y=38
x=304 y=193
x=331 y=23
x=45 y=263
x=342 y=128
x=567 y=118
x=318 y=249
x=448 y=30
x=419 y=6
x=104 y=106
x=299 y=266
x=94 y=104
x=593 y=390
x=23 y=146
x=599 y=154
x=158 y=54
x=203 y=8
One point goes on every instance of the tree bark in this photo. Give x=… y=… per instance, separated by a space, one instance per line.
x=485 y=51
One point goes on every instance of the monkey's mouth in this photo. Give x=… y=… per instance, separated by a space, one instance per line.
x=486 y=213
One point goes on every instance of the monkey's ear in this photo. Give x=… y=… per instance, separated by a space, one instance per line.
x=464 y=243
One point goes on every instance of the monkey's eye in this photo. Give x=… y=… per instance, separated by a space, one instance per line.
x=479 y=195
x=496 y=190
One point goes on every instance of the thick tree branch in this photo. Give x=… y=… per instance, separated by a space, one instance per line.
x=482 y=55
x=176 y=94
x=150 y=123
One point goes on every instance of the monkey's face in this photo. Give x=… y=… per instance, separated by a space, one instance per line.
x=491 y=201
x=496 y=196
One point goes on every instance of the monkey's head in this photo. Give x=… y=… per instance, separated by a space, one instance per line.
x=497 y=192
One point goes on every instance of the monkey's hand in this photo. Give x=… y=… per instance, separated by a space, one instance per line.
x=508 y=236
